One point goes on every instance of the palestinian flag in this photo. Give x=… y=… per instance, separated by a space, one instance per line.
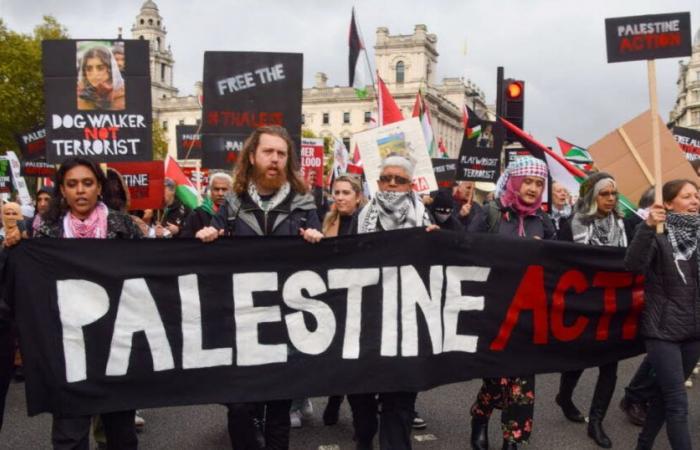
x=357 y=61
x=389 y=111
x=443 y=149
x=421 y=111
x=185 y=191
x=560 y=169
x=576 y=155
x=471 y=123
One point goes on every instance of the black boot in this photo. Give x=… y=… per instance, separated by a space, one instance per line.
x=480 y=433
x=332 y=411
x=507 y=445
x=602 y=395
x=570 y=410
x=596 y=432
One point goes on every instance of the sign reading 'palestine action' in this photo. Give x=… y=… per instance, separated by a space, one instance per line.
x=244 y=91
x=648 y=37
x=181 y=322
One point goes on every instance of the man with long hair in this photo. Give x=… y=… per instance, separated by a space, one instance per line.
x=269 y=198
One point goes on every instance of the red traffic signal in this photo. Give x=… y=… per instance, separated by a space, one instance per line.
x=514 y=90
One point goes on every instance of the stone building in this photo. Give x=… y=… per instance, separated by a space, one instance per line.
x=686 y=111
x=406 y=63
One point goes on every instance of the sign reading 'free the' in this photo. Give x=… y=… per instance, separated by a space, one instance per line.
x=648 y=37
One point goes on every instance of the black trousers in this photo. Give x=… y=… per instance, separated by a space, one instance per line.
x=642 y=387
x=241 y=427
x=73 y=433
x=604 y=388
x=7 y=361
x=395 y=419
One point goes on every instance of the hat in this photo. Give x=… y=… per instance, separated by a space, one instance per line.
x=525 y=166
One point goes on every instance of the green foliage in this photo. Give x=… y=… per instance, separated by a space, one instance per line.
x=160 y=142
x=21 y=79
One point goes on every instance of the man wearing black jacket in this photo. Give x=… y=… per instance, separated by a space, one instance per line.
x=220 y=184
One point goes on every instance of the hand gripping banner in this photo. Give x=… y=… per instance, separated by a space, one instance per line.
x=115 y=325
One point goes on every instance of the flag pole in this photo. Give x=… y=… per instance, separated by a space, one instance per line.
x=655 y=138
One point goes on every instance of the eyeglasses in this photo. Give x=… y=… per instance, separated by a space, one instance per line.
x=607 y=194
x=397 y=179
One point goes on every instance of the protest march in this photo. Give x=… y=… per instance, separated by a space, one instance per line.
x=286 y=246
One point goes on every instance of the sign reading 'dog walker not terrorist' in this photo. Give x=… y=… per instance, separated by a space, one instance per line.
x=141 y=324
x=98 y=100
x=403 y=138
x=244 y=91
x=652 y=36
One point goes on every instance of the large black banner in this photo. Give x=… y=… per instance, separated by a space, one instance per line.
x=98 y=100
x=243 y=91
x=652 y=36
x=114 y=325
x=189 y=142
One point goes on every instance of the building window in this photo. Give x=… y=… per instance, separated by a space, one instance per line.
x=697 y=75
x=326 y=118
x=368 y=116
x=303 y=119
x=141 y=21
x=346 y=117
x=181 y=122
x=165 y=125
x=696 y=95
x=158 y=43
x=199 y=122
x=141 y=37
x=150 y=21
x=346 y=143
x=159 y=23
x=695 y=118
x=162 y=72
x=400 y=72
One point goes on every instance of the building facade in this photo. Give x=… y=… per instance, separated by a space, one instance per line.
x=686 y=111
x=406 y=63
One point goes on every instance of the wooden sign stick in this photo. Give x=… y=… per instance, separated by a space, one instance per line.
x=635 y=153
x=655 y=138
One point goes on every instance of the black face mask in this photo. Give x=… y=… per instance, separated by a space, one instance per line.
x=442 y=214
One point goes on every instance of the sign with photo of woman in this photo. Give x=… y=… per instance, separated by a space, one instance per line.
x=98 y=100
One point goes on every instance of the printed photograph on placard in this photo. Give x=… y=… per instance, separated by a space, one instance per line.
x=100 y=82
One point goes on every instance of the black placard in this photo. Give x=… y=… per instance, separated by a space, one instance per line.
x=98 y=100
x=189 y=142
x=689 y=141
x=32 y=144
x=445 y=171
x=652 y=36
x=480 y=154
x=243 y=91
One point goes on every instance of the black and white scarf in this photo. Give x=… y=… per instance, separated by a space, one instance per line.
x=276 y=199
x=683 y=234
x=393 y=211
x=608 y=230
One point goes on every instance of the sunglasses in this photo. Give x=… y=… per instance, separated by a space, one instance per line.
x=397 y=179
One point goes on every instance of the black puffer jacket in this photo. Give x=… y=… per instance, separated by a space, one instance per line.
x=672 y=307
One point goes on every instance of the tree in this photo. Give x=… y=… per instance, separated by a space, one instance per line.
x=160 y=142
x=21 y=78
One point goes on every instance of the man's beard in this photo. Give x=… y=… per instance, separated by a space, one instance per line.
x=266 y=183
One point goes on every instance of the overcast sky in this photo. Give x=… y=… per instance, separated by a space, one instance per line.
x=556 y=46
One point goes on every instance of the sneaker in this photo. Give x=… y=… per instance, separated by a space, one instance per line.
x=418 y=423
x=295 y=419
x=307 y=409
x=139 y=422
x=689 y=383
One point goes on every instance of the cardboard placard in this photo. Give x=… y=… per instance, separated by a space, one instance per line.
x=405 y=138
x=243 y=91
x=480 y=154
x=445 y=170
x=651 y=36
x=312 y=161
x=145 y=182
x=189 y=142
x=611 y=154
x=689 y=141
x=98 y=100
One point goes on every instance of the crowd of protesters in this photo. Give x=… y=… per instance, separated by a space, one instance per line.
x=267 y=197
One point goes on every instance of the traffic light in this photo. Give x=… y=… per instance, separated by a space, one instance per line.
x=514 y=104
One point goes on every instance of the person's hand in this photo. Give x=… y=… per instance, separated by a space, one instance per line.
x=311 y=235
x=465 y=209
x=432 y=227
x=174 y=229
x=657 y=215
x=159 y=231
x=12 y=237
x=208 y=234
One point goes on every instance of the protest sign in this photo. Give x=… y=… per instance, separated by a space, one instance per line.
x=98 y=100
x=445 y=170
x=17 y=180
x=32 y=145
x=480 y=155
x=403 y=138
x=312 y=161
x=145 y=180
x=689 y=141
x=5 y=175
x=199 y=178
x=626 y=153
x=648 y=37
x=244 y=91
x=182 y=322
x=189 y=142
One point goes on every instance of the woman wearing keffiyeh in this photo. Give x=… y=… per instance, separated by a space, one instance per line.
x=670 y=321
x=596 y=221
